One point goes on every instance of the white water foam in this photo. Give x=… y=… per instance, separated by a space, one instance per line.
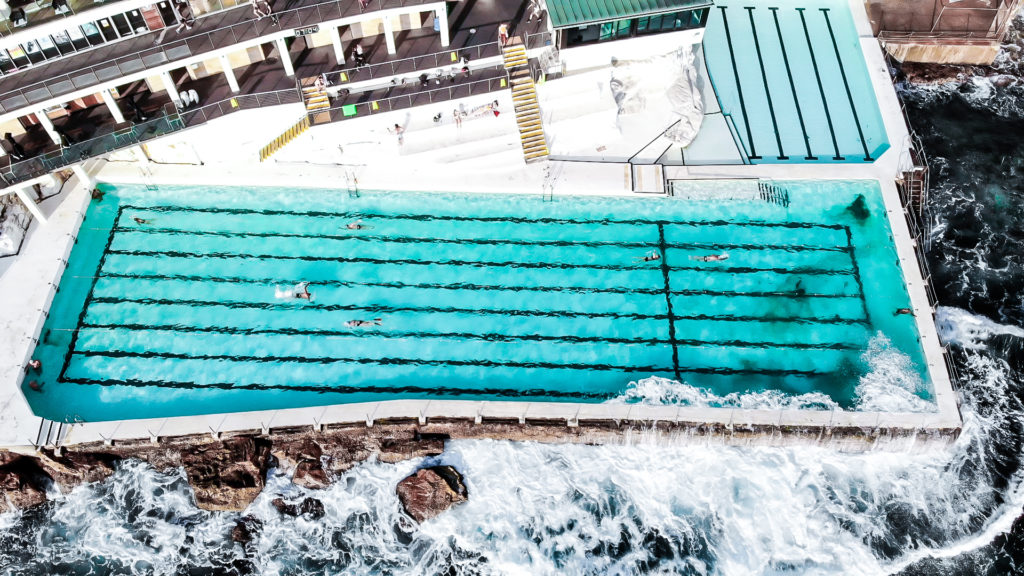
x=891 y=383
x=659 y=391
x=957 y=326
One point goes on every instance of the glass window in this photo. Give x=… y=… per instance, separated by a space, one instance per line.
x=6 y=64
x=123 y=27
x=78 y=39
x=167 y=13
x=18 y=56
x=136 y=21
x=91 y=31
x=107 y=30
x=63 y=42
x=48 y=47
x=35 y=55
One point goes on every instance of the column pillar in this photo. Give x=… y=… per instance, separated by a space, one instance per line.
x=339 y=50
x=442 y=15
x=229 y=73
x=111 y=103
x=389 y=34
x=30 y=204
x=286 y=58
x=171 y=87
x=83 y=177
x=47 y=125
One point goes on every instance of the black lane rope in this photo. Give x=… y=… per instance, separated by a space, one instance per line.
x=846 y=83
x=468 y=286
x=488 y=337
x=505 y=219
x=471 y=263
x=856 y=276
x=792 y=85
x=370 y=238
x=764 y=80
x=739 y=87
x=668 y=303
x=532 y=365
x=89 y=296
x=389 y=309
x=821 y=87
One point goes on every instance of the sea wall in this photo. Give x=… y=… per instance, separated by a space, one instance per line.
x=949 y=53
x=228 y=472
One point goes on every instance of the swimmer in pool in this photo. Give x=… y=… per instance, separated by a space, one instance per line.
x=650 y=257
x=364 y=323
x=300 y=291
x=357 y=225
x=140 y=220
x=900 y=311
x=711 y=257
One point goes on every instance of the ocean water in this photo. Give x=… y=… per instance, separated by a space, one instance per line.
x=537 y=509
x=179 y=301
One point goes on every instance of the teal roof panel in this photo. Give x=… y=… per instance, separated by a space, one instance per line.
x=568 y=13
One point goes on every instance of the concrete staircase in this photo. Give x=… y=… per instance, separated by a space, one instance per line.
x=524 y=98
x=283 y=140
x=316 y=100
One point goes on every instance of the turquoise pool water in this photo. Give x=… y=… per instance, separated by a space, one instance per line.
x=793 y=79
x=477 y=296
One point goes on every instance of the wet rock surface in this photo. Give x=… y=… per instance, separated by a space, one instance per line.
x=227 y=475
x=22 y=484
x=309 y=507
x=431 y=491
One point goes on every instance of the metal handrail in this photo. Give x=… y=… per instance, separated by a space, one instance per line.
x=414 y=64
x=248 y=29
x=338 y=109
x=171 y=121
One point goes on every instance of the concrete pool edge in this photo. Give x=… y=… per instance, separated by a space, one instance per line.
x=670 y=425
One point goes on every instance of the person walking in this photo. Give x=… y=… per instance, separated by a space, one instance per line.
x=503 y=34
x=535 y=9
x=400 y=132
x=457 y=117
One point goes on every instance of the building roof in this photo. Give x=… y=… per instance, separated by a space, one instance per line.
x=566 y=13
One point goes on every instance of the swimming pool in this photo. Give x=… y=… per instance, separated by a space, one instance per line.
x=792 y=78
x=178 y=301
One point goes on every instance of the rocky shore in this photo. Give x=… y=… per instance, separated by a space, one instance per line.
x=225 y=474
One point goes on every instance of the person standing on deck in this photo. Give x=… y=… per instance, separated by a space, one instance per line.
x=503 y=34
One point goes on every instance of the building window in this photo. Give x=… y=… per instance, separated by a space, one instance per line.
x=629 y=27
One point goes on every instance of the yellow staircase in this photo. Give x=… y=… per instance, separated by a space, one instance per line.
x=524 y=98
x=282 y=140
x=318 y=103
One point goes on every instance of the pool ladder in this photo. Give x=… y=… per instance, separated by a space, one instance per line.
x=773 y=194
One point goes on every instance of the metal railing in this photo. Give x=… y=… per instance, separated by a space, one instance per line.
x=992 y=24
x=342 y=109
x=442 y=59
x=198 y=43
x=172 y=120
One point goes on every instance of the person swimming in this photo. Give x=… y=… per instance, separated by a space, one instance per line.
x=711 y=257
x=900 y=311
x=357 y=225
x=300 y=291
x=141 y=220
x=650 y=257
x=364 y=323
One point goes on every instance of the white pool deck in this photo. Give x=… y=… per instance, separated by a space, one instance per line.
x=482 y=156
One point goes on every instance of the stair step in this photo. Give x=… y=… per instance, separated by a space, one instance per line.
x=537 y=154
x=528 y=134
x=523 y=99
x=526 y=86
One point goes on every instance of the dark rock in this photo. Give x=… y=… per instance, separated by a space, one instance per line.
x=284 y=508
x=246 y=529
x=311 y=474
x=313 y=508
x=431 y=491
x=76 y=468
x=227 y=475
x=22 y=484
x=394 y=450
x=308 y=507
